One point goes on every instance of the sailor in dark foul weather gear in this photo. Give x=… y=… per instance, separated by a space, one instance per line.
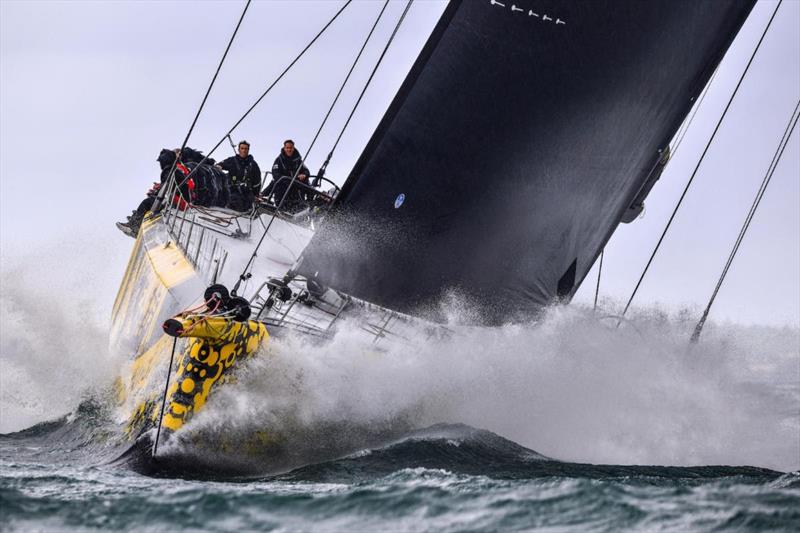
x=243 y=169
x=211 y=187
x=187 y=160
x=288 y=162
x=245 y=178
x=206 y=187
x=166 y=158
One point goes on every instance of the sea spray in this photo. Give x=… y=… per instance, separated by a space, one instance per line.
x=569 y=386
x=54 y=329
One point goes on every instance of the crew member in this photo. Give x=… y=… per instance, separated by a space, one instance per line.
x=288 y=163
x=243 y=169
x=166 y=159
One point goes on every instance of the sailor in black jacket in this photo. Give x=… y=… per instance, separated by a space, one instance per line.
x=243 y=169
x=284 y=168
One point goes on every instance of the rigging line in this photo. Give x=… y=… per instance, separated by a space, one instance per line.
x=164 y=399
x=599 y=272
x=369 y=80
x=679 y=140
x=243 y=275
x=219 y=67
x=787 y=133
x=268 y=89
x=335 y=100
x=208 y=91
x=349 y=73
x=699 y=162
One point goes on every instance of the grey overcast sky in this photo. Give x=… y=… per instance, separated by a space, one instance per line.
x=91 y=91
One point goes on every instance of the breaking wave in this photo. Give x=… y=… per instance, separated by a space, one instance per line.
x=570 y=386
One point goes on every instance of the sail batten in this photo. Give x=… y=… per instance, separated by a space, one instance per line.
x=513 y=149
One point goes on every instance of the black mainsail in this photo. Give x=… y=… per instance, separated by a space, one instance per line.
x=511 y=152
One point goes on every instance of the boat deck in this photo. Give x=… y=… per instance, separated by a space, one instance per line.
x=219 y=243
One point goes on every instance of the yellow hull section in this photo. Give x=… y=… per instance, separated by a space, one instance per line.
x=159 y=283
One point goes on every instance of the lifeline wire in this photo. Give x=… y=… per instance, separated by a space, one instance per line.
x=164 y=399
x=268 y=89
x=203 y=103
x=787 y=133
x=699 y=162
x=243 y=275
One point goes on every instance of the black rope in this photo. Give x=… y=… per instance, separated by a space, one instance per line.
x=364 y=90
x=203 y=103
x=243 y=276
x=599 y=272
x=322 y=169
x=164 y=399
x=699 y=162
x=268 y=89
x=787 y=133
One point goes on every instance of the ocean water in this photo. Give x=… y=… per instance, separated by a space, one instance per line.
x=564 y=424
x=446 y=478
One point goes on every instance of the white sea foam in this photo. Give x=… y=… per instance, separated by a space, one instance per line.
x=54 y=329
x=571 y=387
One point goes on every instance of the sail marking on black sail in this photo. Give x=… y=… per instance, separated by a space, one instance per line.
x=514 y=147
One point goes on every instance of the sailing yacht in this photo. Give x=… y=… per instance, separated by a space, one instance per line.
x=525 y=132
